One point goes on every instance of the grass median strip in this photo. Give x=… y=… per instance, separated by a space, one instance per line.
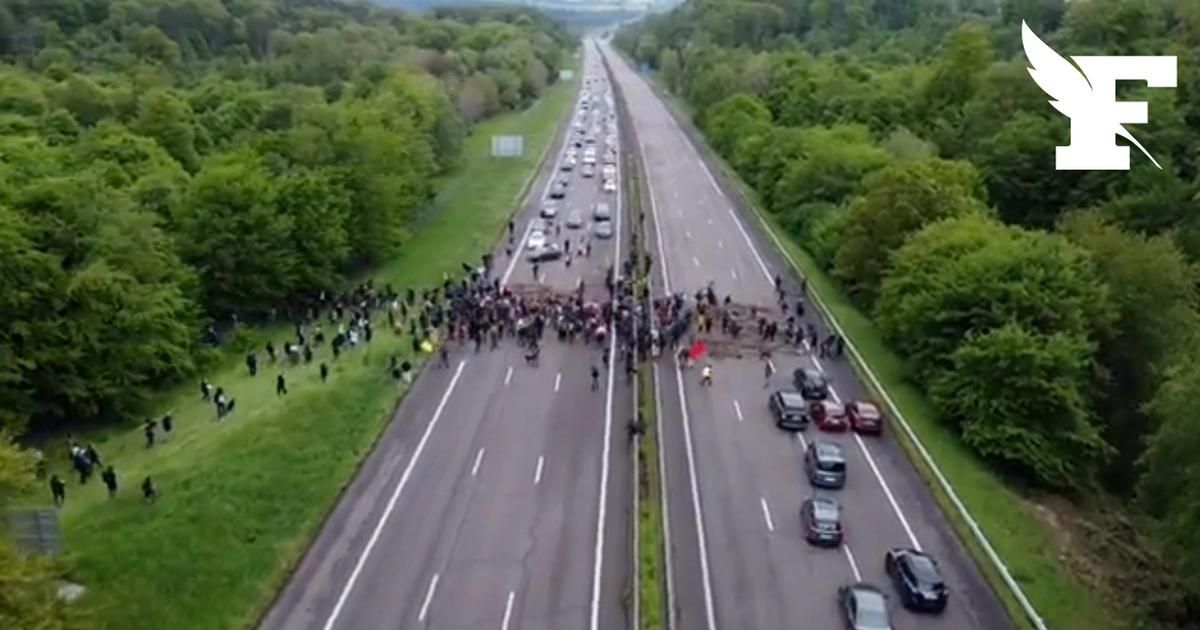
x=241 y=498
x=651 y=559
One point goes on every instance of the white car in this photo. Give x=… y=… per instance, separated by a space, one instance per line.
x=589 y=158
x=609 y=171
x=610 y=185
x=537 y=239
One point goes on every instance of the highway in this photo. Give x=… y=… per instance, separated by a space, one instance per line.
x=499 y=495
x=737 y=556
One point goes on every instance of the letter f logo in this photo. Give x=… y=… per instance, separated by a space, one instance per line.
x=1089 y=99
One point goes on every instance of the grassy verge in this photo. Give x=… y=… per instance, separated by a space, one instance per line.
x=241 y=499
x=1027 y=542
x=651 y=559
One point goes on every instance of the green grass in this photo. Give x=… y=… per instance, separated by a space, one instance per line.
x=241 y=499
x=651 y=558
x=1026 y=543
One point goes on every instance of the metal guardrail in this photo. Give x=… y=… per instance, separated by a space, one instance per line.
x=749 y=205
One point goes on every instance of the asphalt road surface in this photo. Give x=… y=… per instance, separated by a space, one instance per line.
x=737 y=557
x=499 y=496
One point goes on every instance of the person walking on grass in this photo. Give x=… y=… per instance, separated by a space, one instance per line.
x=324 y=372
x=149 y=491
x=280 y=385
x=58 y=490
x=252 y=363
x=168 y=424
x=109 y=477
x=148 y=430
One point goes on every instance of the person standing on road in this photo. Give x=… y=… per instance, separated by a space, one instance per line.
x=768 y=370
x=58 y=490
x=280 y=385
x=706 y=375
x=444 y=356
x=595 y=378
x=536 y=268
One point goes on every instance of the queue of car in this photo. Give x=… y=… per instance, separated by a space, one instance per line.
x=914 y=575
x=581 y=156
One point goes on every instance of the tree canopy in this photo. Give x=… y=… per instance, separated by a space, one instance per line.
x=174 y=163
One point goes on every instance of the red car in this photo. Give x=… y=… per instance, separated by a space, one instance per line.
x=865 y=417
x=827 y=415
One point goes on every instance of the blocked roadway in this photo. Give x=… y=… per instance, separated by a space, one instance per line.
x=498 y=497
x=738 y=556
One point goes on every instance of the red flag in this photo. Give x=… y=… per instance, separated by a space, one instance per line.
x=698 y=349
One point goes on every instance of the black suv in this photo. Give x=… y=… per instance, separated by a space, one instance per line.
x=917 y=579
x=788 y=408
x=812 y=384
x=825 y=465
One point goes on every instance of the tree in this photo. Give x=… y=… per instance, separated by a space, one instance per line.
x=166 y=118
x=833 y=166
x=1018 y=163
x=671 y=69
x=897 y=201
x=1020 y=398
x=231 y=228
x=319 y=208
x=1170 y=485
x=733 y=119
x=87 y=101
x=1152 y=286
x=647 y=50
x=999 y=321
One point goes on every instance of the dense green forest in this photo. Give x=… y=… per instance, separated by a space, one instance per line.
x=1051 y=317
x=167 y=166
x=171 y=163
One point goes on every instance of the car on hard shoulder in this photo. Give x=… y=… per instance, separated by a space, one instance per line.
x=917 y=579
x=821 y=518
x=544 y=253
x=549 y=211
x=812 y=384
x=788 y=407
x=825 y=465
x=864 y=417
x=610 y=185
x=864 y=607
x=602 y=212
x=568 y=165
x=827 y=415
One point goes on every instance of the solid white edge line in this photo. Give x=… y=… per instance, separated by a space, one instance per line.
x=602 y=509
x=767 y=514
x=737 y=409
x=428 y=598
x=666 y=512
x=766 y=273
x=853 y=563
x=537 y=474
x=887 y=491
x=706 y=577
x=478 y=461
x=391 y=504
x=508 y=608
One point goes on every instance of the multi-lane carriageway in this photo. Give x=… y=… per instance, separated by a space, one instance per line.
x=499 y=496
